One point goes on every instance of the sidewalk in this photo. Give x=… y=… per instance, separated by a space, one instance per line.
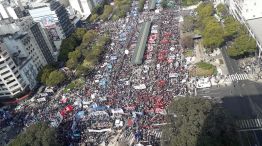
x=216 y=59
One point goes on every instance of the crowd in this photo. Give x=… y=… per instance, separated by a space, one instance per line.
x=121 y=98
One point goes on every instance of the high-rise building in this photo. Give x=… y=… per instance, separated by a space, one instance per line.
x=82 y=7
x=54 y=18
x=24 y=50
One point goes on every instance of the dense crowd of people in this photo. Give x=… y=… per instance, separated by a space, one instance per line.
x=121 y=98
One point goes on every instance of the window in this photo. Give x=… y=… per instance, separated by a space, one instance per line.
x=16 y=90
x=11 y=81
x=7 y=77
x=13 y=85
x=2 y=67
x=5 y=72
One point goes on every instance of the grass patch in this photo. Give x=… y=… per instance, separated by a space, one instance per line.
x=188 y=53
x=203 y=69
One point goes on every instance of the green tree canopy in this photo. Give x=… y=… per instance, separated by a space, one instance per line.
x=94 y=17
x=232 y=27
x=108 y=9
x=39 y=134
x=56 y=77
x=205 y=10
x=198 y=122
x=44 y=73
x=67 y=46
x=78 y=34
x=72 y=63
x=89 y=36
x=222 y=10
x=243 y=45
x=213 y=35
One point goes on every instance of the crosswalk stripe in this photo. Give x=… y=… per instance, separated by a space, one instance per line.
x=238 y=77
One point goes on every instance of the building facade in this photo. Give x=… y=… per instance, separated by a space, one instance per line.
x=54 y=18
x=82 y=7
x=25 y=49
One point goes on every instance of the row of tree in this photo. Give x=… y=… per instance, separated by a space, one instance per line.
x=88 y=53
x=80 y=52
x=216 y=33
x=198 y=122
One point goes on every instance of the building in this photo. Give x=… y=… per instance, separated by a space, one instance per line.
x=24 y=50
x=54 y=18
x=249 y=13
x=82 y=7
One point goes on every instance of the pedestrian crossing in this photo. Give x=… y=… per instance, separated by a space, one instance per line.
x=249 y=124
x=237 y=77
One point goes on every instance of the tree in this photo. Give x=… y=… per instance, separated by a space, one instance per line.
x=205 y=10
x=56 y=77
x=213 y=35
x=232 y=28
x=81 y=70
x=198 y=122
x=222 y=10
x=39 y=134
x=94 y=17
x=67 y=46
x=75 y=54
x=108 y=9
x=78 y=34
x=44 y=73
x=188 y=24
x=89 y=36
x=72 y=63
x=243 y=45
x=187 y=41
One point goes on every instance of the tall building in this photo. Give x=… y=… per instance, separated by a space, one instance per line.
x=84 y=7
x=54 y=18
x=24 y=50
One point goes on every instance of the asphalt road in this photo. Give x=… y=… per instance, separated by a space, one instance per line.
x=243 y=99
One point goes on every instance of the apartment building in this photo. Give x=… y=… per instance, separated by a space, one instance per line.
x=82 y=7
x=25 y=49
x=54 y=18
